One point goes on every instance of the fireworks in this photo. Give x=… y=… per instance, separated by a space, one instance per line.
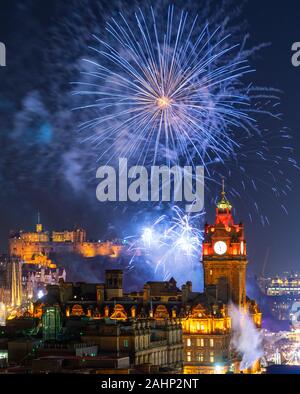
x=163 y=86
x=147 y=236
x=168 y=94
x=171 y=242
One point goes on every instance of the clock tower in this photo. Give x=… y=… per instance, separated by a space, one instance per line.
x=224 y=256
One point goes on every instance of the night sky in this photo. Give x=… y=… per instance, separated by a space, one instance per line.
x=43 y=163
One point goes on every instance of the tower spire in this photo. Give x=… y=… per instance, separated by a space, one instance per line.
x=223 y=188
x=39 y=226
x=223 y=204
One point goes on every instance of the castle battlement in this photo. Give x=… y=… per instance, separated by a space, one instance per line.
x=35 y=247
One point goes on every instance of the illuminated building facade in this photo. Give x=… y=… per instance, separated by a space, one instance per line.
x=207 y=334
x=204 y=323
x=4 y=288
x=224 y=256
x=283 y=285
x=206 y=340
x=14 y=281
x=11 y=291
x=192 y=330
x=35 y=279
x=147 y=342
x=51 y=322
x=281 y=295
x=36 y=247
x=2 y=314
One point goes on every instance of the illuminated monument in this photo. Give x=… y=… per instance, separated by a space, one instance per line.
x=224 y=255
x=36 y=247
x=15 y=281
x=208 y=330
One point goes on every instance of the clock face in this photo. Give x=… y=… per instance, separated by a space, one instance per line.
x=220 y=247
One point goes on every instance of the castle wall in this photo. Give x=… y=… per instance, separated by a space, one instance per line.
x=28 y=250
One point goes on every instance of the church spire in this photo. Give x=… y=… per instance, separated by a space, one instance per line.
x=39 y=226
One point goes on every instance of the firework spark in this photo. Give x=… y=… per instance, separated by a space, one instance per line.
x=173 y=240
x=164 y=86
x=175 y=93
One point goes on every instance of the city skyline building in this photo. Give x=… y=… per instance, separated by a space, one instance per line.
x=205 y=318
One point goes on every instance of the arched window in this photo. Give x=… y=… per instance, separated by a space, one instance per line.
x=161 y=312
x=77 y=310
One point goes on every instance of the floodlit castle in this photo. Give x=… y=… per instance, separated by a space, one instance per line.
x=36 y=247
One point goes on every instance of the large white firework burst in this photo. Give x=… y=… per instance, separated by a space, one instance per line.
x=168 y=94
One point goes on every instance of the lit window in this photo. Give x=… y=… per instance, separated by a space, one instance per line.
x=200 y=342
x=126 y=343
x=188 y=342
x=211 y=342
x=200 y=357
x=211 y=357
x=188 y=356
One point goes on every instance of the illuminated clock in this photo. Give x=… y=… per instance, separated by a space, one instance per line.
x=220 y=247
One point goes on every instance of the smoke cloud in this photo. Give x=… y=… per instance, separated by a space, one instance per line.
x=92 y=270
x=246 y=339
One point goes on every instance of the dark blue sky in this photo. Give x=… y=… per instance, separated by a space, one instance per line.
x=277 y=22
x=28 y=183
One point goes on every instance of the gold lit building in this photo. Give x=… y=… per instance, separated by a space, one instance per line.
x=36 y=247
x=203 y=317
x=11 y=293
x=207 y=335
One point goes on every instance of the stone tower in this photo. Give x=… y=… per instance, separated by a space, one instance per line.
x=14 y=273
x=224 y=255
x=113 y=283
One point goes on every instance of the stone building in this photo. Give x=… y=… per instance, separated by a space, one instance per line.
x=146 y=341
x=36 y=247
x=204 y=317
x=11 y=293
